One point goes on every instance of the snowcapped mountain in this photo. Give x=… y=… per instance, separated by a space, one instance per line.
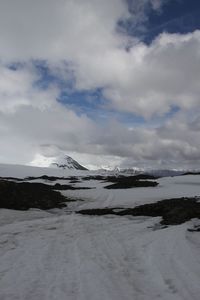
x=137 y=171
x=118 y=169
x=68 y=162
x=165 y=172
x=154 y=172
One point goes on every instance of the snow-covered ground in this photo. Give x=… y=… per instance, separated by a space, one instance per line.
x=59 y=255
x=169 y=187
x=20 y=171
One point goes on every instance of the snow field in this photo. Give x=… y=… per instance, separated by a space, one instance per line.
x=59 y=255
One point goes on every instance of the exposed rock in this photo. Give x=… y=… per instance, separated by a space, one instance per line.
x=131 y=184
x=173 y=211
x=25 y=195
x=63 y=187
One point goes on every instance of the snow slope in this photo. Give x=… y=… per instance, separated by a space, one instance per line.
x=21 y=171
x=62 y=255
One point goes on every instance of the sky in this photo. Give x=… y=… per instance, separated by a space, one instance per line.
x=108 y=82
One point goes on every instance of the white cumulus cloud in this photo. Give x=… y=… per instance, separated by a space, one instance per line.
x=82 y=40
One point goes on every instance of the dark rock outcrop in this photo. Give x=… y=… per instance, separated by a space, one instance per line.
x=173 y=211
x=25 y=195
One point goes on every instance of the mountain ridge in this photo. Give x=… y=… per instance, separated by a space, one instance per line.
x=68 y=163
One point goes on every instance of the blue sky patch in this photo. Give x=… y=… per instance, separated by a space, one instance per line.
x=46 y=77
x=176 y=16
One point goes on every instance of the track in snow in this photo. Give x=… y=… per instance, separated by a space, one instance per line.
x=93 y=258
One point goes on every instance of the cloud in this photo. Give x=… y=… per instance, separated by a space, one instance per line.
x=145 y=80
x=58 y=30
x=38 y=134
x=82 y=40
x=17 y=89
x=159 y=76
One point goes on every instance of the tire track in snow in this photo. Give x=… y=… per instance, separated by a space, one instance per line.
x=77 y=257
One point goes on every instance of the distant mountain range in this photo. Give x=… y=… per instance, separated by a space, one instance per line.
x=148 y=171
x=68 y=163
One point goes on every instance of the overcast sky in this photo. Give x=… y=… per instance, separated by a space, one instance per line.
x=109 y=82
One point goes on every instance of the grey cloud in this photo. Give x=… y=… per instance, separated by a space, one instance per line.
x=146 y=80
x=29 y=132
